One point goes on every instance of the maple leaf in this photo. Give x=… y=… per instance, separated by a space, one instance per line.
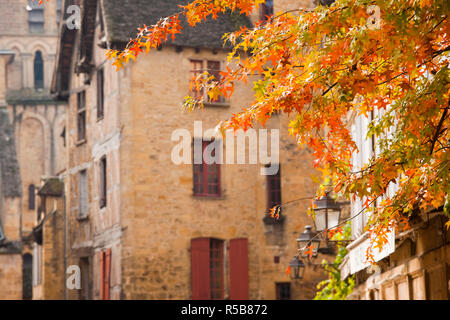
x=288 y=270
x=275 y=212
x=308 y=251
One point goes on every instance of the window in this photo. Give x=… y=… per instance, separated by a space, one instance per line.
x=283 y=291
x=103 y=182
x=105 y=274
x=207 y=176
x=100 y=94
x=83 y=194
x=58 y=11
x=266 y=10
x=207 y=263
x=273 y=190
x=197 y=68
x=85 y=292
x=35 y=16
x=38 y=71
x=63 y=136
x=31 y=197
x=81 y=119
x=37 y=265
x=27 y=277
x=216 y=268
x=100 y=16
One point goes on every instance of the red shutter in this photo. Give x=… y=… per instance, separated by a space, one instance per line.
x=200 y=277
x=107 y=273
x=239 y=269
x=102 y=274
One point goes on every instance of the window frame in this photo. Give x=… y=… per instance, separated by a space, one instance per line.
x=216 y=270
x=38 y=70
x=81 y=115
x=31 y=197
x=83 y=185
x=86 y=285
x=58 y=11
x=194 y=72
x=36 y=17
x=278 y=288
x=271 y=202
x=100 y=94
x=204 y=172
x=103 y=183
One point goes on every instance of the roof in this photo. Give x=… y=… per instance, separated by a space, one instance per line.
x=9 y=166
x=123 y=17
x=52 y=187
x=29 y=96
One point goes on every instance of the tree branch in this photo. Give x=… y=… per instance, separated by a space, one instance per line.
x=439 y=127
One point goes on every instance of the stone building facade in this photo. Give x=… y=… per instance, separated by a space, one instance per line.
x=139 y=225
x=28 y=38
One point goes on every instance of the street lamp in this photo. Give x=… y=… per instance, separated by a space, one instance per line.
x=306 y=239
x=297 y=268
x=326 y=213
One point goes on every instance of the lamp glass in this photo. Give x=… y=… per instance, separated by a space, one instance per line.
x=320 y=220
x=297 y=268
x=333 y=218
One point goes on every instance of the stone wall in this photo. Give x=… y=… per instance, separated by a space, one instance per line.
x=10 y=276
x=53 y=273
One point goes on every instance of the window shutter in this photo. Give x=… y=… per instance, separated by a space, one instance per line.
x=200 y=275
x=239 y=269
x=102 y=275
x=107 y=273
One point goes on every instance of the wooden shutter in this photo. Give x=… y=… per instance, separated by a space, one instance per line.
x=102 y=275
x=200 y=275
x=239 y=269
x=107 y=280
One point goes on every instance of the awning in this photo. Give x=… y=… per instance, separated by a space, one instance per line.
x=356 y=258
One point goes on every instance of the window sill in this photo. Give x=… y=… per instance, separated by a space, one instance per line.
x=216 y=104
x=80 y=142
x=268 y=220
x=83 y=218
x=100 y=118
x=206 y=197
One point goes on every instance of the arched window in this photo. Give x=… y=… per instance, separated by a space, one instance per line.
x=27 y=276
x=38 y=71
x=31 y=197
